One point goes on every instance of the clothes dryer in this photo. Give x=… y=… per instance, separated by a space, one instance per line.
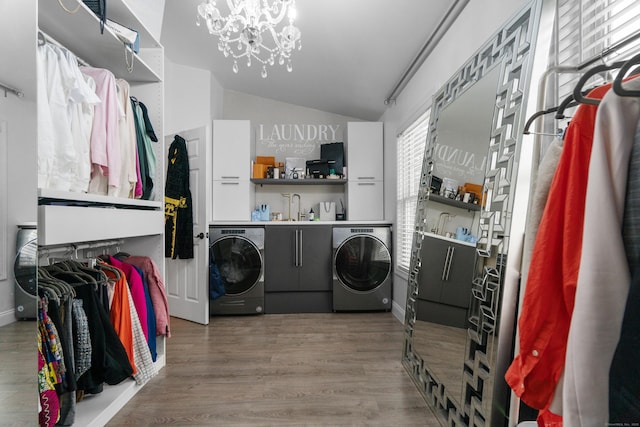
x=362 y=268
x=236 y=255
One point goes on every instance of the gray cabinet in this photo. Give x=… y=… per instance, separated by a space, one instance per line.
x=444 y=281
x=297 y=274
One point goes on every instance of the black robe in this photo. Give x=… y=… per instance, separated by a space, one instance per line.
x=178 y=213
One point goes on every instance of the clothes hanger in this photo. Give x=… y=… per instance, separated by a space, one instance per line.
x=578 y=89
x=617 y=82
x=537 y=114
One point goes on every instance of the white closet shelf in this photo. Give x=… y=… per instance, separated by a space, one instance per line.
x=96 y=198
x=97 y=410
x=80 y=33
x=60 y=225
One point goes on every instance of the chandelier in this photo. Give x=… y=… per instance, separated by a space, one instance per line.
x=249 y=30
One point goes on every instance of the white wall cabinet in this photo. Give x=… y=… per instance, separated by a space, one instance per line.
x=231 y=189
x=365 y=171
x=97 y=218
x=231 y=149
x=364 y=151
x=231 y=200
x=365 y=201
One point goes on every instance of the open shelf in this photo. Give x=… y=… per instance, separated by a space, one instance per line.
x=308 y=181
x=452 y=202
x=80 y=33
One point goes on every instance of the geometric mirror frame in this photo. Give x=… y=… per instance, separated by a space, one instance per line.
x=511 y=50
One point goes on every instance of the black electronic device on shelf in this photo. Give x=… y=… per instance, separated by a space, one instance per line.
x=333 y=152
x=319 y=168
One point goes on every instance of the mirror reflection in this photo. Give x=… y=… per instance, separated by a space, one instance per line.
x=459 y=247
x=447 y=253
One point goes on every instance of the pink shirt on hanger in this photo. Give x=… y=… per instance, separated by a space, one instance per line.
x=105 y=138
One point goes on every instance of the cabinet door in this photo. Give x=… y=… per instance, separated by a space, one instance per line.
x=231 y=149
x=430 y=278
x=365 y=201
x=457 y=287
x=365 y=151
x=315 y=268
x=280 y=269
x=231 y=200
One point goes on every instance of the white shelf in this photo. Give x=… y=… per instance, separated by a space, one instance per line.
x=80 y=33
x=60 y=225
x=96 y=410
x=98 y=199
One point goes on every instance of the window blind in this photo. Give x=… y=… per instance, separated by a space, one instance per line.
x=585 y=28
x=411 y=144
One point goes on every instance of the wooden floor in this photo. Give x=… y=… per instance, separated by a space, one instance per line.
x=282 y=370
x=18 y=374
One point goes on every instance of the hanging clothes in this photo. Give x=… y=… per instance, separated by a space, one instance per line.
x=137 y=291
x=146 y=157
x=603 y=281
x=178 y=205
x=119 y=312
x=128 y=145
x=56 y=153
x=553 y=272
x=105 y=137
x=48 y=398
x=156 y=291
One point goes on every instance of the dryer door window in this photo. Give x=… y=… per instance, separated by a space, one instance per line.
x=362 y=263
x=239 y=262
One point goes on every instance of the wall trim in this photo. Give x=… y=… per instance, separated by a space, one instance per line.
x=7 y=317
x=397 y=311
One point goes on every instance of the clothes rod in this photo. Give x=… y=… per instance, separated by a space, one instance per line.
x=443 y=26
x=14 y=91
x=46 y=38
x=75 y=247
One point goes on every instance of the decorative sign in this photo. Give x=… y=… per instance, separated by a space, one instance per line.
x=295 y=140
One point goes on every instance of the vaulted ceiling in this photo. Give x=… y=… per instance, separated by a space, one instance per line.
x=353 y=52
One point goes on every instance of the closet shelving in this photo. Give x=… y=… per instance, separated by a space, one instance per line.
x=80 y=32
x=66 y=218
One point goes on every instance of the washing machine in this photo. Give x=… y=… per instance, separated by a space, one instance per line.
x=236 y=255
x=362 y=268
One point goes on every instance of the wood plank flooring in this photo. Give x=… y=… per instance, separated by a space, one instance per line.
x=18 y=374
x=338 y=369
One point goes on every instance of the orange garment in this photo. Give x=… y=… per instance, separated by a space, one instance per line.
x=553 y=272
x=120 y=313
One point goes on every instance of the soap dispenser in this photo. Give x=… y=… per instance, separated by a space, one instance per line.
x=312 y=215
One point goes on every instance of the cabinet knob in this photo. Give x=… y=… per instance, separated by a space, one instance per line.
x=201 y=235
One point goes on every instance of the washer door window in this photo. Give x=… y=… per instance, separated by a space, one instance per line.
x=239 y=263
x=362 y=263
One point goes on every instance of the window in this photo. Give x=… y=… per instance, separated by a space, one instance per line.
x=411 y=145
x=585 y=28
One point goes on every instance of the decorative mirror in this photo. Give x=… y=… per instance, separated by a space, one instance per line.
x=459 y=252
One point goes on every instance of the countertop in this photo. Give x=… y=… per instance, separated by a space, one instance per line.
x=300 y=223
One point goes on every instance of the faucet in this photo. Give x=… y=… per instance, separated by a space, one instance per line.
x=288 y=197
x=299 y=216
x=447 y=217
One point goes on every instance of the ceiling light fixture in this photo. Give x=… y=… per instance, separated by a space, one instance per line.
x=249 y=31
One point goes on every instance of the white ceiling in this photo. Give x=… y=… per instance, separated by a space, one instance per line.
x=353 y=52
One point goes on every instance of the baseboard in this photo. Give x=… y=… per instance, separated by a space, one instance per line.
x=398 y=311
x=8 y=316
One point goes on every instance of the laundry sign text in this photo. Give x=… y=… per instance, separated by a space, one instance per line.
x=302 y=140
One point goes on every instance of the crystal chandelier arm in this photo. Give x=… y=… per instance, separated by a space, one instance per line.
x=271 y=20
